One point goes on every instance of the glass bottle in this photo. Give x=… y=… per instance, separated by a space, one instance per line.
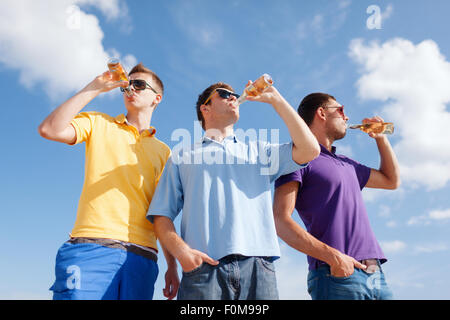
x=374 y=127
x=256 y=88
x=118 y=73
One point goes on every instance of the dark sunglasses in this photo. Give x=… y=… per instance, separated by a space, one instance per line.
x=223 y=93
x=139 y=85
x=339 y=108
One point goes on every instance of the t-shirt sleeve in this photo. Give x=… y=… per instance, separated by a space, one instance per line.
x=294 y=176
x=168 y=198
x=83 y=124
x=362 y=172
x=280 y=160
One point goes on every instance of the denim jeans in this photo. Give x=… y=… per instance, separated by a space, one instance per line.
x=359 y=286
x=234 y=278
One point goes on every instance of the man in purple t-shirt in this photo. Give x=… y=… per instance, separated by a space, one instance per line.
x=343 y=254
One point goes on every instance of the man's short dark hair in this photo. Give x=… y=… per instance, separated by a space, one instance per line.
x=156 y=80
x=312 y=102
x=205 y=95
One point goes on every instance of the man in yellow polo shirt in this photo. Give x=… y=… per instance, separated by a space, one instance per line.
x=112 y=251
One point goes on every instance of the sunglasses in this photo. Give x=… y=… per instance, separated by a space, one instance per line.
x=223 y=93
x=139 y=85
x=339 y=108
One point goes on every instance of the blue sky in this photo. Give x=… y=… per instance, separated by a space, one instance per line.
x=400 y=71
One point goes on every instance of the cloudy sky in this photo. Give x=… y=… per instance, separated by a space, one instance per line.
x=386 y=58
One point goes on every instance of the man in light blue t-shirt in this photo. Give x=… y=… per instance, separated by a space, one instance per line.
x=223 y=186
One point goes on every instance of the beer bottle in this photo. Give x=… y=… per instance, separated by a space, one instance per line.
x=118 y=73
x=375 y=127
x=256 y=88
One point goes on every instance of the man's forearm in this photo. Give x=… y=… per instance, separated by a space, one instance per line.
x=170 y=259
x=298 y=238
x=168 y=237
x=388 y=161
x=61 y=117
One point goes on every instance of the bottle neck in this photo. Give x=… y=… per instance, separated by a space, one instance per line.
x=242 y=98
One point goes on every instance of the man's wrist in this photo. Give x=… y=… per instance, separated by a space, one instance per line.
x=333 y=256
x=278 y=101
x=172 y=264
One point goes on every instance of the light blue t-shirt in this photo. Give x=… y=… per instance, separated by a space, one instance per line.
x=224 y=190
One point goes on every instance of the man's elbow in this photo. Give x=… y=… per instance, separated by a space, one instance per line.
x=390 y=184
x=315 y=152
x=395 y=184
x=306 y=155
x=159 y=223
x=44 y=131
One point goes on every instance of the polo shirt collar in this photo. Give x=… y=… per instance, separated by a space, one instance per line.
x=122 y=119
x=325 y=150
x=229 y=138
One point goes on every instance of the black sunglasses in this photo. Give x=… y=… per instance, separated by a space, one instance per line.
x=223 y=93
x=139 y=85
x=339 y=108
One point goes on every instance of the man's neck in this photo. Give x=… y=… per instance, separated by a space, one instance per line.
x=323 y=138
x=140 y=119
x=219 y=133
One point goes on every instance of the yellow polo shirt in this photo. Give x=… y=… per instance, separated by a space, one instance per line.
x=121 y=172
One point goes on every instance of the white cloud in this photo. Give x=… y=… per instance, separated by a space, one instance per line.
x=440 y=214
x=198 y=25
x=412 y=82
x=395 y=246
x=386 y=14
x=391 y=224
x=324 y=25
x=432 y=216
x=418 y=220
x=344 y=149
x=373 y=195
x=344 y=4
x=112 y=9
x=384 y=211
x=292 y=274
x=55 y=44
x=430 y=248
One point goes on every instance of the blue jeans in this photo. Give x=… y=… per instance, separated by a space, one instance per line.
x=234 y=278
x=359 y=286
x=90 y=271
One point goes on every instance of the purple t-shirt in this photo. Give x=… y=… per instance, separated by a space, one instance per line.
x=330 y=203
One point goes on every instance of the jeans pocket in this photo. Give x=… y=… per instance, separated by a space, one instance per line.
x=312 y=283
x=194 y=271
x=341 y=278
x=267 y=263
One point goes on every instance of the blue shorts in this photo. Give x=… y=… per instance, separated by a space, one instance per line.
x=89 y=271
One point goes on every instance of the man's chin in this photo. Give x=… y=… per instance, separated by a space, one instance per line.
x=340 y=135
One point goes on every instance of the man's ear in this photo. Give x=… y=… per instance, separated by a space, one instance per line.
x=157 y=99
x=204 y=108
x=320 y=112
